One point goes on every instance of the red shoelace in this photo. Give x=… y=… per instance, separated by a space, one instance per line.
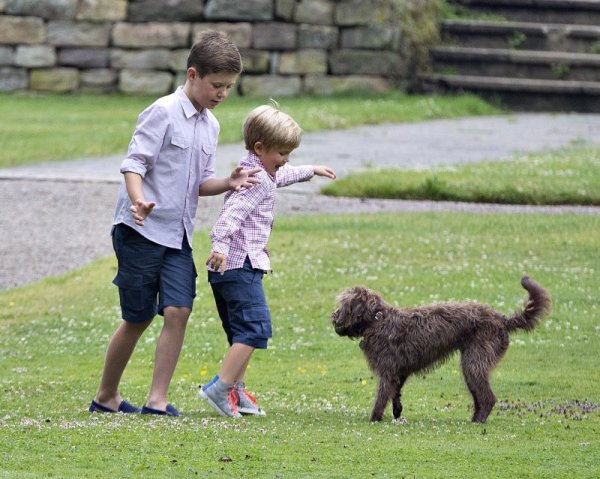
x=249 y=396
x=233 y=400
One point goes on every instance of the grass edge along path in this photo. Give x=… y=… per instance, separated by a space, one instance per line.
x=569 y=176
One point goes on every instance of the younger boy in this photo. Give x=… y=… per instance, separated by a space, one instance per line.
x=169 y=163
x=239 y=256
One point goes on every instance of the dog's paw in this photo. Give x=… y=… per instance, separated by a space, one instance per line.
x=400 y=421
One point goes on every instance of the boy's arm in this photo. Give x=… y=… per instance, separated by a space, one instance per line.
x=140 y=208
x=289 y=174
x=238 y=179
x=144 y=148
x=324 y=171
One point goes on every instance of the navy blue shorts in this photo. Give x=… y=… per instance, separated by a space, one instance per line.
x=150 y=276
x=242 y=305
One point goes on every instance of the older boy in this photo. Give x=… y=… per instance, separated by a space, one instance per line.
x=170 y=163
x=239 y=255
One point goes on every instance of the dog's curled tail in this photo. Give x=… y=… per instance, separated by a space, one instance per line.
x=536 y=307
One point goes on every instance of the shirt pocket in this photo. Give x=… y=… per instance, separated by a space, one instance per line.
x=206 y=163
x=180 y=147
x=207 y=151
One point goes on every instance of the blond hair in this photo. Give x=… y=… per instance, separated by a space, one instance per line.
x=272 y=127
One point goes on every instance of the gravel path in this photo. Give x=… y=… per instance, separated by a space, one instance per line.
x=56 y=217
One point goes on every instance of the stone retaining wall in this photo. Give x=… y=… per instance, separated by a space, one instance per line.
x=140 y=46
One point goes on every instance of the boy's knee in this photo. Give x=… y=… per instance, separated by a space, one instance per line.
x=177 y=313
x=138 y=328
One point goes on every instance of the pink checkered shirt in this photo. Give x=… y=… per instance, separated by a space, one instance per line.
x=246 y=219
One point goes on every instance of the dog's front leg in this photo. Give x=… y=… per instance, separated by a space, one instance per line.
x=396 y=404
x=383 y=396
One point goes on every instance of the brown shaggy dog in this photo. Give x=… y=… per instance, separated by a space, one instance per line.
x=398 y=342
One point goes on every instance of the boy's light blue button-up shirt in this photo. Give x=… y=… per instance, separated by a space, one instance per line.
x=173 y=150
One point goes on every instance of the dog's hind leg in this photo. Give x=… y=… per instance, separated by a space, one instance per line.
x=385 y=392
x=396 y=404
x=476 y=366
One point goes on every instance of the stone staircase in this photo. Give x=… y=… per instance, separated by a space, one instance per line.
x=528 y=55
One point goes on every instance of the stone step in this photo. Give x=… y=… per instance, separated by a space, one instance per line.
x=532 y=64
x=522 y=94
x=577 y=12
x=522 y=35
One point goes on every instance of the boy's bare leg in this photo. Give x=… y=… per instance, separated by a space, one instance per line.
x=167 y=353
x=119 y=351
x=235 y=363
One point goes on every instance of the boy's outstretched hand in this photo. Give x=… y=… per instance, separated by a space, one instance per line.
x=140 y=211
x=241 y=178
x=324 y=171
x=217 y=262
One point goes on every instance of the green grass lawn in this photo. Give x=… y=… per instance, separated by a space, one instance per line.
x=315 y=386
x=567 y=176
x=47 y=127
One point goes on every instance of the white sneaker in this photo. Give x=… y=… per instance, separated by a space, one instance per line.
x=247 y=402
x=224 y=401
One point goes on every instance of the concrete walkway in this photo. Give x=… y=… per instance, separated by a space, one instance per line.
x=393 y=145
x=56 y=216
